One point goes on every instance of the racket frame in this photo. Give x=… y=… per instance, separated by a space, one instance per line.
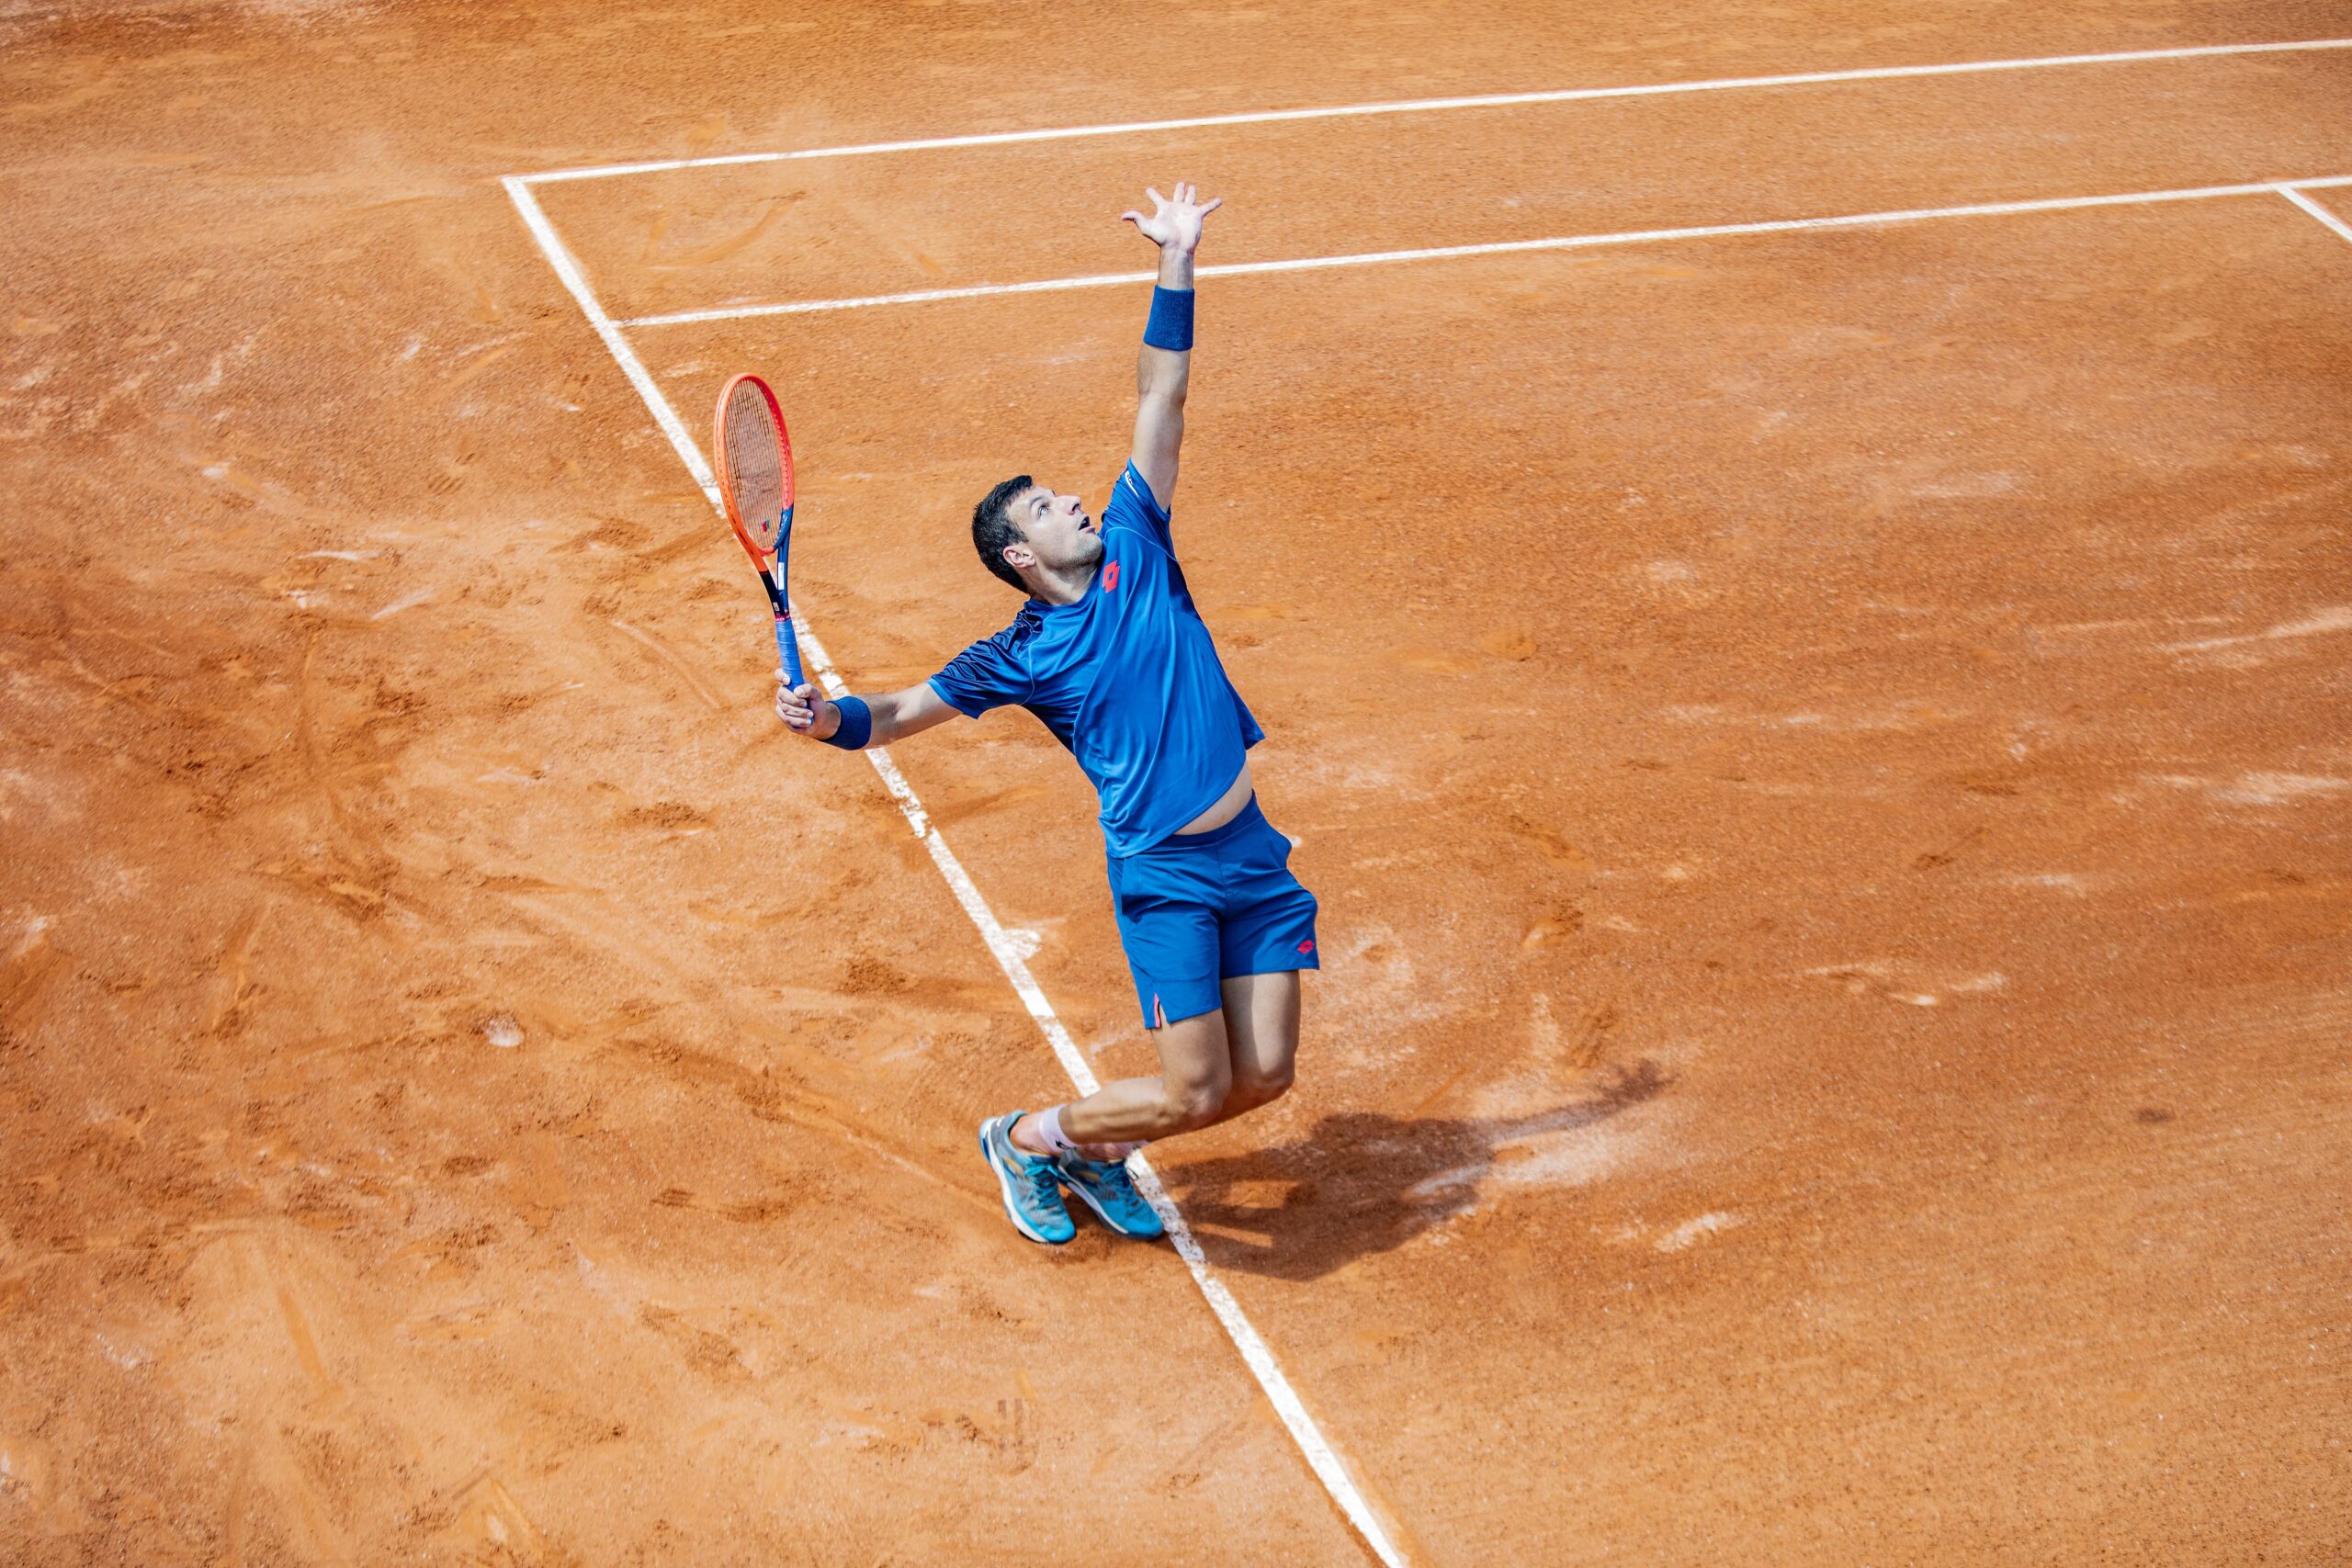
x=771 y=566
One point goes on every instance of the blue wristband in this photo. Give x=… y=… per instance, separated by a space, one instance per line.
x=857 y=726
x=1170 y=325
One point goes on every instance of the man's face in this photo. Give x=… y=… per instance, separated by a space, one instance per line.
x=1062 y=538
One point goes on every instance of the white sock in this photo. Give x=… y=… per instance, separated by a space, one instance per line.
x=1049 y=1133
x=1058 y=1142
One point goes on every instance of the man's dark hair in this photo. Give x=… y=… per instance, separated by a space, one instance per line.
x=993 y=527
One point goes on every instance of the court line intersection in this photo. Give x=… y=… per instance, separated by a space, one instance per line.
x=2294 y=193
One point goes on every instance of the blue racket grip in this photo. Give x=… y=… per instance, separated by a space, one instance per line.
x=788 y=645
x=787 y=649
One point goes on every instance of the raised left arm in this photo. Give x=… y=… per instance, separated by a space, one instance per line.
x=1164 y=369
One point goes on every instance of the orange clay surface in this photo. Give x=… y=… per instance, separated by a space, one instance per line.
x=1824 y=755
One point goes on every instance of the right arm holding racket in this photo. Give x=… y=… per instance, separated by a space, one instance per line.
x=1163 y=375
x=808 y=711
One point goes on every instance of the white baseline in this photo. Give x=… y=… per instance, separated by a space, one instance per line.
x=1328 y=1468
x=1426 y=106
x=2288 y=188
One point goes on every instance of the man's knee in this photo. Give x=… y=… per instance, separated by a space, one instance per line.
x=1261 y=1086
x=1190 y=1104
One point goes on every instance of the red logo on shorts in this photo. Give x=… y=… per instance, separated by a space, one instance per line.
x=1110 y=577
x=1307 y=946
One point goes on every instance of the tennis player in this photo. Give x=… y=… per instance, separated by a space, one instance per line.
x=1111 y=655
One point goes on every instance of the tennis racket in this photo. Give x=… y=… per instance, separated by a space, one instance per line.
x=756 y=482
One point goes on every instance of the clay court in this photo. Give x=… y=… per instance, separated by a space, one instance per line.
x=1822 y=746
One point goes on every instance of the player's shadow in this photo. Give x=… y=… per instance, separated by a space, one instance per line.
x=1362 y=1182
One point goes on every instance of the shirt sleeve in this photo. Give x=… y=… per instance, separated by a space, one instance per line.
x=1132 y=506
x=988 y=674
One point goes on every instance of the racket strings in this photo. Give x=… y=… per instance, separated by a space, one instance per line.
x=754 y=459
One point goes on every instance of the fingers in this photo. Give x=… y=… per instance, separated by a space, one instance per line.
x=1184 y=209
x=797 y=706
x=1182 y=194
x=1185 y=194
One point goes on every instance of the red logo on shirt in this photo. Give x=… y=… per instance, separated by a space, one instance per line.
x=1110 y=577
x=1307 y=946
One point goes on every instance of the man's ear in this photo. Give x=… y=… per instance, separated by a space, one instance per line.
x=1019 y=555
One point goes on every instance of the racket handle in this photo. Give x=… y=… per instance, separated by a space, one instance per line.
x=787 y=649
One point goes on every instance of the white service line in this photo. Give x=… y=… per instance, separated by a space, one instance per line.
x=2342 y=230
x=1507 y=247
x=1328 y=1468
x=1423 y=106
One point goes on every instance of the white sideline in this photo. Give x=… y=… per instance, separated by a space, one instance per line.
x=1507 y=247
x=1326 y=1464
x=1423 y=106
x=2295 y=195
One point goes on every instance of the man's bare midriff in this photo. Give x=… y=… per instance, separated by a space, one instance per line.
x=1228 y=805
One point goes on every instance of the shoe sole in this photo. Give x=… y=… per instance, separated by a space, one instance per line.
x=1102 y=1213
x=1004 y=1189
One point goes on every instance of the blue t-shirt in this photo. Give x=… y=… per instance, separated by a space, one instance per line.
x=1127 y=678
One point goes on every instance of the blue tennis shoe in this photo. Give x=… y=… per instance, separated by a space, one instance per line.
x=1106 y=1188
x=1031 y=1184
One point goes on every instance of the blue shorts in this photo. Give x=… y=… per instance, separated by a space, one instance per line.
x=1202 y=908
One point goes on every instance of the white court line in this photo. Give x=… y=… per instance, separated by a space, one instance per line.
x=2342 y=230
x=1423 y=106
x=1507 y=247
x=1328 y=1468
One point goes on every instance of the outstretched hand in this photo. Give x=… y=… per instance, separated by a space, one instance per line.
x=1175 y=220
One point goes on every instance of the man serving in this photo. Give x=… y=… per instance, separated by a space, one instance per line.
x=1111 y=655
